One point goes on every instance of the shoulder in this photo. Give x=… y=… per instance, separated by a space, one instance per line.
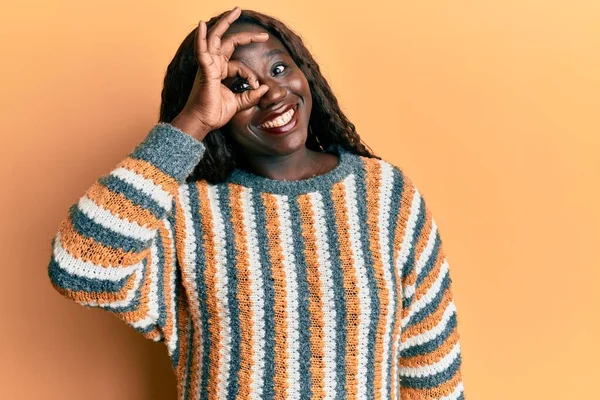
x=384 y=170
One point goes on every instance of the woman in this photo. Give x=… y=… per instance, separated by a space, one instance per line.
x=256 y=235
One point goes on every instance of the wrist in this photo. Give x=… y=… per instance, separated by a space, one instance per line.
x=190 y=125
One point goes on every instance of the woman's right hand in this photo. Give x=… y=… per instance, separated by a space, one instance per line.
x=211 y=104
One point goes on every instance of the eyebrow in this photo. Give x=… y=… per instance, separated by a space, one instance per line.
x=273 y=52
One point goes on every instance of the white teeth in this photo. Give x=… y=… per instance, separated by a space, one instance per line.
x=279 y=121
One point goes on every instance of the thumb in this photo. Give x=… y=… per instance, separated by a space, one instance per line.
x=249 y=98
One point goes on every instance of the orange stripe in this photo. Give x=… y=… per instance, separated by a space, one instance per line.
x=111 y=297
x=401 y=225
x=154 y=334
x=430 y=279
x=120 y=206
x=212 y=303
x=373 y=183
x=167 y=271
x=87 y=249
x=149 y=171
x=183 y=324
x=435 y=356
x=315 y=306
x=98 y=297
x=143 y=308
x=279 y=284
x=426 y=324
x=439 y=391
x=422 y=240
x=103 y=298
x=338 y=196
x=243 y=292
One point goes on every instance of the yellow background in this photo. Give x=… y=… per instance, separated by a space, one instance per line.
x=492 y=108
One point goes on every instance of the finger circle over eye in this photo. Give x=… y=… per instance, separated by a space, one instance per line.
x=236 y=67
x=231 y=41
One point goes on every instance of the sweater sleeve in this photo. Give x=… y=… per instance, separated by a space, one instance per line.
x=115 y=247
x=429 y=363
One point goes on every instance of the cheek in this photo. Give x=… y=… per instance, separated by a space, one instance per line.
x=238 y=123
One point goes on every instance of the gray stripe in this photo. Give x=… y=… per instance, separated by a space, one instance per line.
x=348 y=163
x=136 y=196
x=265 y=263
x=87 y=227
x=411 y=260
x=198 y=233
x=232 y=289
x=176 y=316
x=160 y=272
x=188 y=367
x=395 y=208
x=303 y=302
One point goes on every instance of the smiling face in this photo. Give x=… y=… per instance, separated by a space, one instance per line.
x=288 y=96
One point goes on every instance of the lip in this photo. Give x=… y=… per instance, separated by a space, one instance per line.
x=287 y=127
x=276 y=113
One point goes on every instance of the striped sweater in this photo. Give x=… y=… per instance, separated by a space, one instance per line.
x=331 y=287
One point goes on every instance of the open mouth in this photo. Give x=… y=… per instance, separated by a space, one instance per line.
x=282 y=123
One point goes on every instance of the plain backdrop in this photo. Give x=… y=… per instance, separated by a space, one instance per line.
x=491 y=107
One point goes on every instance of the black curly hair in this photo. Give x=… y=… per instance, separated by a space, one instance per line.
x=222 y=155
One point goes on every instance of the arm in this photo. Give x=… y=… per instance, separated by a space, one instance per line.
x=115 y=247
x=429 y=351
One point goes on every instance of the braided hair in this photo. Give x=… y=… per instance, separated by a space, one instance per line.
x=222 y=155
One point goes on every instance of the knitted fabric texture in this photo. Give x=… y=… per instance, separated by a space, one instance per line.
x=331 y=287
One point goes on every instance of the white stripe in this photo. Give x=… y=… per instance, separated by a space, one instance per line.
x=157 y=193
x=458 y=390
x=128 y=297
x=434 y=332
x=399 y=263
x=221 y=282
x=289 y=265
x=429 y=296
x=172 y=343
x=257 y=295
x=189 y=270
x=404 y=252
x=428 y=370
x=153 y=294
x=385 y=192
x=106 y=219
x=361 y=279
x=327 y=291
x=88 y=269
x=428 y=250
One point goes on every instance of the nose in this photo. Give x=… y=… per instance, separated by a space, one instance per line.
x=274 y=95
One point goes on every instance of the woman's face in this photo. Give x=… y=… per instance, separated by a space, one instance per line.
x=288 y=89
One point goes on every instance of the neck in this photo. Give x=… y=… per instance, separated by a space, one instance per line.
x=298 y=165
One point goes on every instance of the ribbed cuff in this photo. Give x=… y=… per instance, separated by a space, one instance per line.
x=171 y=150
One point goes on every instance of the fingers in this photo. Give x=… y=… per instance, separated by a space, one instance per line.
x=202 y=54
x=250 y=98
x=234 y=40
x=217 y=32
x=236 y=67
x=247 y=98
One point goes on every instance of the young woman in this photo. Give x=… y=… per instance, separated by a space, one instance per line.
x=256 y=235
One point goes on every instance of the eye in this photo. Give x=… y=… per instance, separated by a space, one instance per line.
x=279 y=68
x=238 y=86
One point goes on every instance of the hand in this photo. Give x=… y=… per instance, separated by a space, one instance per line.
x=211 y=103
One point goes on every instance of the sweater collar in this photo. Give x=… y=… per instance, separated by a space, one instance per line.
x=346 y=164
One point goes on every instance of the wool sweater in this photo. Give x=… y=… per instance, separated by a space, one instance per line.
x=330 y=287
